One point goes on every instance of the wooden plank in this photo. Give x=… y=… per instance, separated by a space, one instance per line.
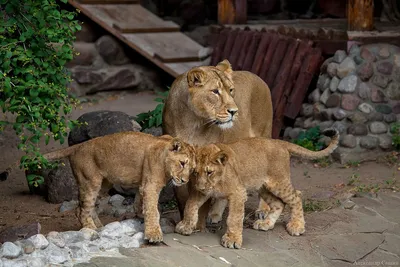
x=278 y=55
x=114 y=2
x=182 y=67
x=255 y=41
x=237 y=48
x=130 y=18
x=260 y=54
x=219 y=47
x=246 y=45
x=230 y=41
x=360 y=15
x=268 y=57
x=167 y=47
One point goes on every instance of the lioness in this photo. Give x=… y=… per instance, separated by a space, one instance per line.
x=228 y=170
x=216 y=105
x=131 y=159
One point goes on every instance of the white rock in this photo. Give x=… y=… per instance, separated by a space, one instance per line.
x=39 y=241
x=56 y=238
x=10 y=251
x=79 y=252
x=35 y=262
x=116 y=200
x=135 y=225
x=15 y=263
x=346 y=67
x=106 y=244
x=1 y=263
x=115 y=229
x=365 y=108
x=139 y=237
x=334 y=84
x=89 y=234
x=72 y=237
x=348 y=84
x=55 y=255
x=68 y=205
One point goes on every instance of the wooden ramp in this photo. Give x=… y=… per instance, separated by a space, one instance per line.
x=158 y=40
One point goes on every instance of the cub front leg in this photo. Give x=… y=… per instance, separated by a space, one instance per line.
x=233 y=236
x=191 y=213
x=152 y=231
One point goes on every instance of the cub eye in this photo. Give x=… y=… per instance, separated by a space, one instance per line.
x=215 y=91
x=182 y=163
x=231 y=90
x=209 y=173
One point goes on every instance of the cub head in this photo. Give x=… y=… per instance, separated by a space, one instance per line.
x=211 y=93
x=210 y=168
x=180 y=161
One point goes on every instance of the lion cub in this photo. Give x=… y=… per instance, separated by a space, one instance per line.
x=130 y=159
x=229 y=170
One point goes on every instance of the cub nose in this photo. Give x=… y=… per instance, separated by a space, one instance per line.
x=232 y=111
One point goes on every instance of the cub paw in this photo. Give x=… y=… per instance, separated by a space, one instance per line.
x=153 y=235
x=263 y=225
x=261 y=214
x=183 y=228
x=214 y=218
x=230 y=241
x=295 y=228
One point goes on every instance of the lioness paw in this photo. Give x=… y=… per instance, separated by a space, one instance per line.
x=263 y=225
x=229 y=241
x=295 y=227
x=183 y=228
x=153 y=235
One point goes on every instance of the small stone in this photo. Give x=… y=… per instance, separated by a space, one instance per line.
x=365 y=108
x=385 y=141
x=384 y=109
x=378 y=127
x=325 y=95
x=14 y=233
x=384 y=52
x=325 y=140
x=358 y=60
x=89 y=234
x=56 y=238
x=55 y=255
x=339 y=114
x=308 y=123
x=325 y=64
x=334 y=84
x=375 y=116
x=317 y=109
x=295 y=133
x=167 y=226
x=396 y=108
x=348 y=84
x=16 y=263
x=299 y=122
x=314 y=96
x=350 y=102
x=393 y=91
x=111 y=50
x=339 y=56
x=369 y=142
x=332 y=69
x=367 y=55
x=10 y=251
x=323 y=82
x=306 y=110
x=128 y=201
x=287 y=132
x=380 y=80
x=325 y=125
x=349 y=141
x=333 y=101
x=71 y=237
x=377 y=96
x=340 y=126
x=389 y=118
x=354 y=50
x=396 y=59
x=36 y=262
x=346 y=67
x=39 y=241
x=358 y=117
x=385 y=67
x=116 y=200
x=365 y=71
x=115 y=229
x=68 y=205
x=358 y=129
x=27 y=246
x=326 y=114
x=348 y=204
x=364 y=91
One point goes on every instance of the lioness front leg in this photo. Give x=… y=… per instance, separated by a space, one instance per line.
x=152 y=231
x=191 y=213
x=233 y=236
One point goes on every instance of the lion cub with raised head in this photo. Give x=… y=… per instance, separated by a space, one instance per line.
x=229 y=170
x=130 y=159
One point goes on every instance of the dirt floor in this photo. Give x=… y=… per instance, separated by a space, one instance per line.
x=323 y=184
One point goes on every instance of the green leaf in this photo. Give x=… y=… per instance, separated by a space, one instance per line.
x=47 y=139
x=33 y=92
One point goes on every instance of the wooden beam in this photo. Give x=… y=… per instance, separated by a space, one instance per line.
x=360 y=15
x=232 y=11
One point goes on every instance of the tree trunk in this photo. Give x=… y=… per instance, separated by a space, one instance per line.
x=360 y=15
x=232 y=11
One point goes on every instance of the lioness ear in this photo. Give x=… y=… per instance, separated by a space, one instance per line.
x=225 y=66
x=221 y=158
x=196 y=77
x=176 y=145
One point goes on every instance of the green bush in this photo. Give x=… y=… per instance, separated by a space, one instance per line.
x=310 y=139
x=153 y=118
x=395 y=130
x=36 y=40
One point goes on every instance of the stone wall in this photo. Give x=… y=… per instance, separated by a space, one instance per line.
x=101 y=64
x=359 y=94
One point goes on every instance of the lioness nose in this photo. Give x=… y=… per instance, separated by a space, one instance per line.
x=232 y=111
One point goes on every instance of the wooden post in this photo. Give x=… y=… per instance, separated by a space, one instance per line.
x=232 y=11
x=360 y=15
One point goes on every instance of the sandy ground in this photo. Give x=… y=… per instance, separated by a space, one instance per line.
x=321 y=186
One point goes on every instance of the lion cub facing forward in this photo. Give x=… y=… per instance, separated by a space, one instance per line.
x=129 y=159
x=229 y=170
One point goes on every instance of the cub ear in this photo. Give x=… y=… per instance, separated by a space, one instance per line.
x=196 y=77
x=176 y=145
x=225 y=66
x=221 y=158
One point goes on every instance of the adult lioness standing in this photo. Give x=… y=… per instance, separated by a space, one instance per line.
x=216 y=105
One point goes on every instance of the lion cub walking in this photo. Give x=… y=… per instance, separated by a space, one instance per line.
x=130 y=159
x=229 y=170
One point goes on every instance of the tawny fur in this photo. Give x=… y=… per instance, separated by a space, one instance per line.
x=194 y=112
x=129 y=159
x=229 y=170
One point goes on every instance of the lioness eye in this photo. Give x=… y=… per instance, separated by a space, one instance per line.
x=215 y=91
x=209 y=173
x=231 y=90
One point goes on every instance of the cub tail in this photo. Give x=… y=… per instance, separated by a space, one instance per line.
x=302 y=152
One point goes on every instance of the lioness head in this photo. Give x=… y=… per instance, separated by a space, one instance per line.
x=211 y=92
x=210 y=168
x=179 y=162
